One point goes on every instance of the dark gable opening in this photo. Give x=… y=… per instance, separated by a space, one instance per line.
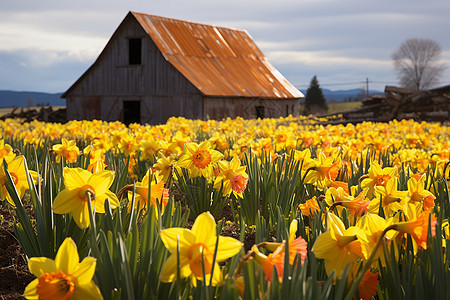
x=135 y=51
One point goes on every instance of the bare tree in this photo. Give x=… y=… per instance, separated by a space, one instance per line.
x=417 y=63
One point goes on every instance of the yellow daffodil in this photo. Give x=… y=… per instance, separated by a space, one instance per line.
x=323 y=170
x=339 y=246
x=16 y=168
x=157 y=193
x=373 y=226
x=276 y=258
x=418 y=228
x=392 y=200
x=220 y=143
x=197 y=245
x=377 y=176
x=127 y=144
x=310 y=207
x=5 y=150
x=96 y=159
x=303 y=158
x=358 y=205
x=149 y=147
x=163 y=168
x=73 y=199
x=68 y=149
x=232 y=177
x=333 y=195
x=199 y=159
x=417 y=194
x=339 y=184
x=63 y=278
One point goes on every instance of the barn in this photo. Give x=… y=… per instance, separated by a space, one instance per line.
x=154 y=67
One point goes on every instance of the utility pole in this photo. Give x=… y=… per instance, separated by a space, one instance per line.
x=367 y=87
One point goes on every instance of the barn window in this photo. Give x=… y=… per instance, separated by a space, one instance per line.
x=131 y=112
x=260 y=110
x=135 y=51
x=287 y=110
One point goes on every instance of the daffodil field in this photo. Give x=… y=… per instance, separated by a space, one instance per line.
x=233 y=209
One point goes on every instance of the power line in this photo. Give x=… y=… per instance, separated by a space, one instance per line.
x=365 y=82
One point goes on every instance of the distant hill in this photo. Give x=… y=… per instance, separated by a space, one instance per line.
x=345 y=95
x=24 y=99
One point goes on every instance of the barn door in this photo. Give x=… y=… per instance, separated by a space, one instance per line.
x=131 y=111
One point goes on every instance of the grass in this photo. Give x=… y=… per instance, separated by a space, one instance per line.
x=342 y=106
x=7 y=110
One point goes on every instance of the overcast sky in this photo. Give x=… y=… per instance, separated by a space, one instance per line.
x=46 y=45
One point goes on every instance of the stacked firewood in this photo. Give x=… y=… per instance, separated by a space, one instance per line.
x=400 y=103
x=45 y=114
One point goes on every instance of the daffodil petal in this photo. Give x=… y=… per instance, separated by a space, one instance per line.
x=204 y=228
x=146 y=178
x=217 y=276
x=205 y=145
x=227 y=248
x=41 y=265
x=170 y=236
x=335 y=225
x=75 y=177
x=185 y=161
x=337 y=265
x=191 y=147
x=101 y=181
x=81 y=216
x=30 y=290
x=85 y=270
x=293 y=230
x=88 y=291
x=100 y=204
x=113 y=200
x=67 y=201
x=169 y=269
x=18 y=163
x=67 y=257
x=215 y=155
x=325 y=246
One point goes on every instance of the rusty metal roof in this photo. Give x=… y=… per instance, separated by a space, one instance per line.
x=218 y=61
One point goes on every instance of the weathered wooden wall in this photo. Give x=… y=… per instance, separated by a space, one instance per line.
x=219 y=108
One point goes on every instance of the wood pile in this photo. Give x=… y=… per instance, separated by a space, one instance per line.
x=44 y=114
x=399 y=103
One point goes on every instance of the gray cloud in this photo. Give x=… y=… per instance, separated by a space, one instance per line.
x=46 y=45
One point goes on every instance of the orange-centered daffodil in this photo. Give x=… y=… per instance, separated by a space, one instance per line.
x=73 y=199
x=199 y=159
x=16 y=168
x=157 y=193
x=63 y=278
x=339 y=246
x=68 y=149
x=197 y=246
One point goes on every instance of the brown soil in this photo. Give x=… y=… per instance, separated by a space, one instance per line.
x=14 y=274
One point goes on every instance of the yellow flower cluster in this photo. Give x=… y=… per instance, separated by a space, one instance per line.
x=393 y=194
x=408 y=142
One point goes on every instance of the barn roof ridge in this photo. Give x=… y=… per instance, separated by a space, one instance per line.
x=187 y=21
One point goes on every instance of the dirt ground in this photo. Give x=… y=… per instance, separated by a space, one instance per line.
x=14 y=274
